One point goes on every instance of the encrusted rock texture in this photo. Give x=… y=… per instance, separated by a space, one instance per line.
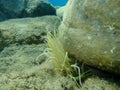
x=90 y=31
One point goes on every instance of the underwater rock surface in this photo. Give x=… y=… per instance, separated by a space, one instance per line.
x=24 y=64
x=90 y=31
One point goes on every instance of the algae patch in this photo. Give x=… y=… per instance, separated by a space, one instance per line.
x=60 y=59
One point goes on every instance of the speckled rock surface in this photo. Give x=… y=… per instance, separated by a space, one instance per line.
x=90 y=31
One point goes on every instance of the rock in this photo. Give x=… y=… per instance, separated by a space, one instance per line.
x=18 y=58
x=39 y=8
x=26 y=30
x=25 y=8
x=60 y=11
x=11 y=8
x=90 y=31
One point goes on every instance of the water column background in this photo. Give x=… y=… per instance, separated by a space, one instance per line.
x=58 y=2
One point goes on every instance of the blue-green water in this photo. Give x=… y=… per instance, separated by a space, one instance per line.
x=58 y=2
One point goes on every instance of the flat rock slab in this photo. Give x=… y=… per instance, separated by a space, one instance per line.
x=26 y=30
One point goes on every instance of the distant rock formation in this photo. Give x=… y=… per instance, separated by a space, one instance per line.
x=25 y=8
